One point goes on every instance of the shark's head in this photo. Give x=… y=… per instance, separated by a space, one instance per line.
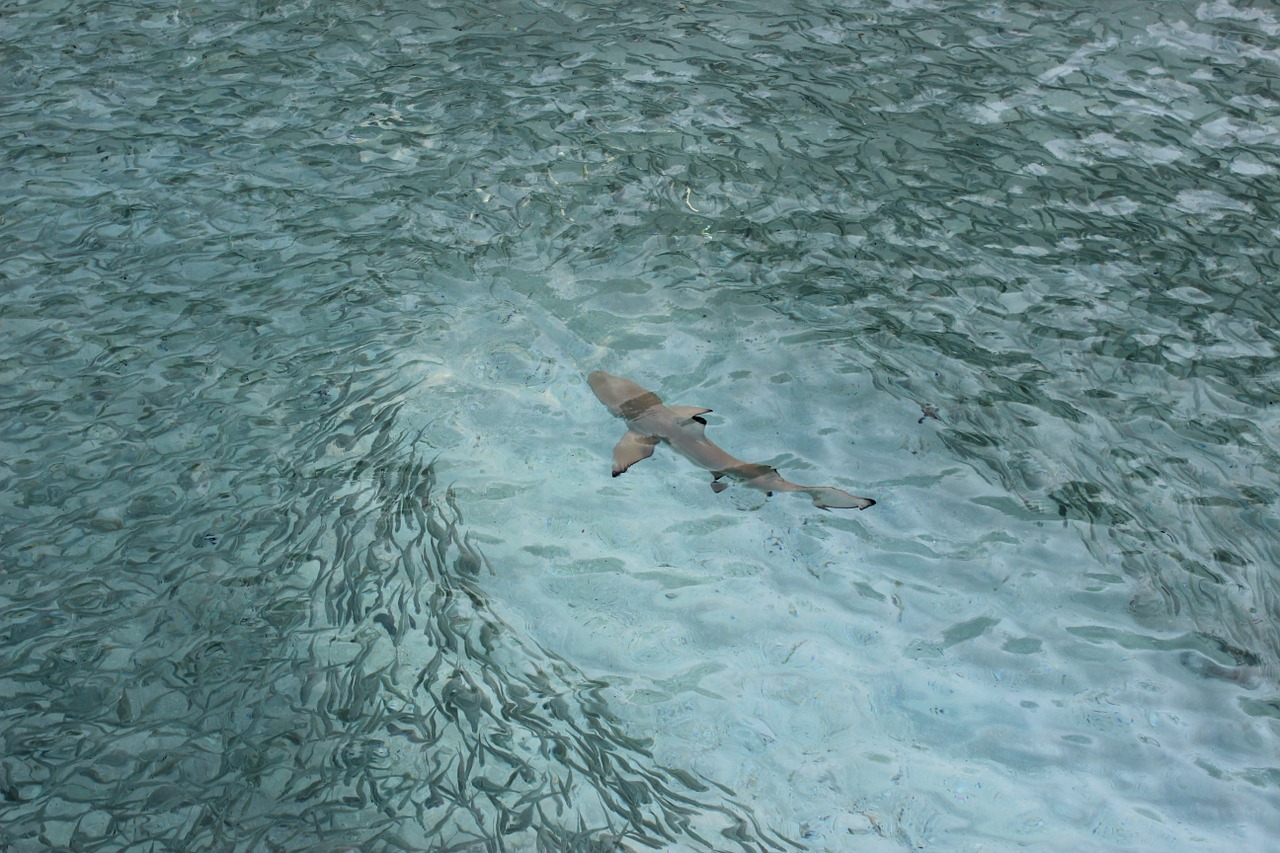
x=624 y=398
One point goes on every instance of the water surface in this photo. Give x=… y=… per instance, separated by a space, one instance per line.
x=307 y=534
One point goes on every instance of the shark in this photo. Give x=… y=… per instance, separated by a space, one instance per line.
x=650 y=422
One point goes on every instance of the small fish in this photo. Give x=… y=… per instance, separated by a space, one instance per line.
x=649 y=422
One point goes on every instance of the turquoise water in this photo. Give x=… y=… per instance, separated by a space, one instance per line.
x=307 y=534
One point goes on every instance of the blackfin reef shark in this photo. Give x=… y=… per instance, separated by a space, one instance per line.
x=650 y=422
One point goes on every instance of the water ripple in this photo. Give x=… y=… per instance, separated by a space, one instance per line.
x=1020 y=261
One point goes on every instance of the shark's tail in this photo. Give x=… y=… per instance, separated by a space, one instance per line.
x=826 y=497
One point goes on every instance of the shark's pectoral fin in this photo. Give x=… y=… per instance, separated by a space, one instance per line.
x=631 y=450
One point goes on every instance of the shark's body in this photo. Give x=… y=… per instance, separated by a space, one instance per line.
x=649 y=422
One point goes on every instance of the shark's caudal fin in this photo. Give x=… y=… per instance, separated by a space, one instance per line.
x=829 y=498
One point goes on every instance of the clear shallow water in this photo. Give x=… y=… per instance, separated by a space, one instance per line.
x=308 y=537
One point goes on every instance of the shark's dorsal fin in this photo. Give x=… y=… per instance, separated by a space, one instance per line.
x=633 y=448
x=690 y=413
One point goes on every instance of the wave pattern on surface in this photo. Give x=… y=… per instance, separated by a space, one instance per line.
x=243 y=247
